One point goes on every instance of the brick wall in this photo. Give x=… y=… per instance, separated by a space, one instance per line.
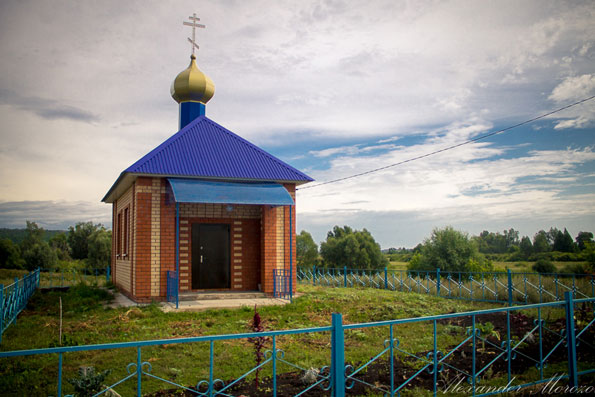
x=142 y=259
x=259 y=240
x=275 y=237
x=123 y=264
x=168 y=236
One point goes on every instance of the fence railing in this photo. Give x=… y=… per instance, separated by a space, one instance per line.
x=14 y=298
x=172 y=287
x=497 y=287
x=482 y=358
x=282 y=287
x=58 y=278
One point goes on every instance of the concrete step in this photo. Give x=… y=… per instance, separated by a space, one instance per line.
x=199 y=296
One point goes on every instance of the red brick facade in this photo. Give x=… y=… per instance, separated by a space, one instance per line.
x=259 y=241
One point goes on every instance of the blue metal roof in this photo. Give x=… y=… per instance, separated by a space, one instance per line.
x=203 y=148
x=201 y=191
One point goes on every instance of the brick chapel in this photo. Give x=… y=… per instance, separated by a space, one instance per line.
x=204 y=211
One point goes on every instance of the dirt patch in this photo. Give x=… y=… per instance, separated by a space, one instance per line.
x=454 y=366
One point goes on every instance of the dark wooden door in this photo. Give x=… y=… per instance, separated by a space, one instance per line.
x=210 y=256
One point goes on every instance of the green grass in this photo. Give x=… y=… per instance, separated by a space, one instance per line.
x=55 y=278
x=525 y=266
x=7 y=276
x=394 y=265
x=86 y=321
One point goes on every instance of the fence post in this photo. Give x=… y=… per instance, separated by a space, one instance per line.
x=337 y=356
x=509 y=288
x=344 y=276
x=385 y=278
x=438 y=281
x=17 y=300
x=571 y=341
x=1 y=311
x=314 y=275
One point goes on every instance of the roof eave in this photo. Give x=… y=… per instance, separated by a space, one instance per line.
x=110 y=195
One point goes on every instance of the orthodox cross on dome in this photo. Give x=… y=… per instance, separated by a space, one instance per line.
x=194 y=25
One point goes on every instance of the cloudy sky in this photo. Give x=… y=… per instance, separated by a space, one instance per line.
x=332 y=87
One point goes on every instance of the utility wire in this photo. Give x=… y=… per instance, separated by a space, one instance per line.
x=478 y=138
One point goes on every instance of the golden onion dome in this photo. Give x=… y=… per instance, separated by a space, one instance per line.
x=192 y=85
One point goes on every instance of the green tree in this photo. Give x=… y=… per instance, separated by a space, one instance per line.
x=563 y=242
x=449 y=250
x=40 y=255
x=540 y=242
x=306 y=249
x=582 y=238
x=511 y=238
x=33 y=235
x=352 y=248
x=35 y=251
x=526 y=247
x=551 y=236
x=78 y=238
x=10 y=255
x=59 y=242
x=589 y=255
x=496 y=243
x=100 y=248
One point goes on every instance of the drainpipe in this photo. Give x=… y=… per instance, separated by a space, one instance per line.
x=177 y=253
x=290 y=256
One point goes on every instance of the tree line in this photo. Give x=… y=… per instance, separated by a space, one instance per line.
x=85 y=245
x=343 y=246
x=449 y=249
x=543 y=242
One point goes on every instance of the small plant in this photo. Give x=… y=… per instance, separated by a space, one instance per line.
x=544 y=266
x=487 y=330
x=89 y=382
x=258 y=342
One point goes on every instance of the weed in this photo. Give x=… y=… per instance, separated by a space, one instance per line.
x=88 y=382
x=258 y=342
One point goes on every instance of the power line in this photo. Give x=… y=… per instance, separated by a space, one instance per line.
x=478 y=138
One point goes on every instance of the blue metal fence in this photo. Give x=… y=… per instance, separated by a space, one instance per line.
x=59 y=278
x=14 y=298
x=172 y=287
x=490 y=367
x=282 y=287
x=497 y=287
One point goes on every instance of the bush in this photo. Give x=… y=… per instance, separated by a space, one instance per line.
x=352 y=248
x=10 y=255
x=576 y=268
x=306 y=250
x=89 y=382
x=450 y=250
x=565 y=256
x=544 y=266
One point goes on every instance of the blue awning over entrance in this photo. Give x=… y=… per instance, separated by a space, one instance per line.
x=201 y=191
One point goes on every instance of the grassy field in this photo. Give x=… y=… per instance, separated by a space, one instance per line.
x=519 y=266
x=86 y=321
x=54 y=278
x=524 y=266
x=394 y=265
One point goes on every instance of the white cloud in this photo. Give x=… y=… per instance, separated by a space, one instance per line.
x=571 y=89
x=85 y=91
x=53 y=214
x=574 y=88
x=473 y=179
